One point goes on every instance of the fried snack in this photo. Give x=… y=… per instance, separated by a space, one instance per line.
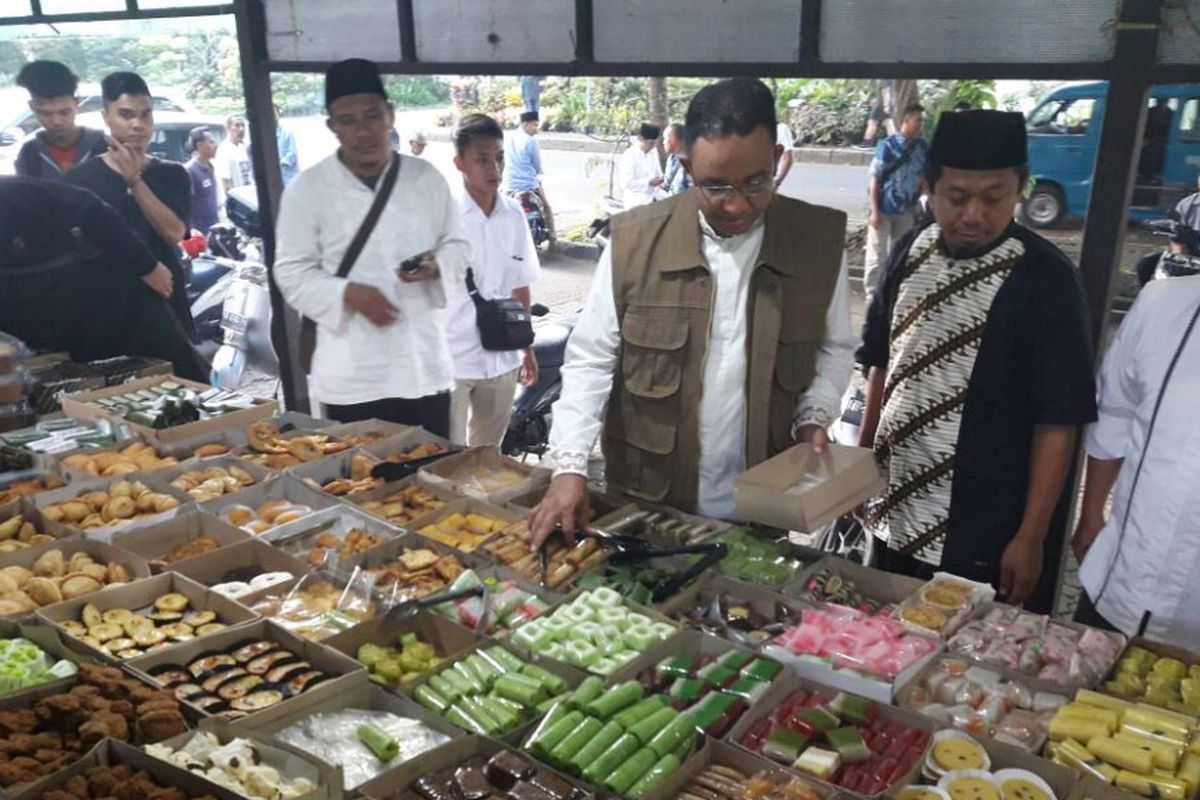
x=464 y=532
x=210 y=450
x=18 y=532
x=417 y=573
x=356 y=541
x=403 y=506
x=269 y=447
x=32 y=486
x=420 y=451
x=213 y=482
x=190 y=549
x=54 y=579
x=119 y=505
x=122 y=633
x=269 y=515
x=135 y=457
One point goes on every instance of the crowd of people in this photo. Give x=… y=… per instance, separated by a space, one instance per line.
x=717 y=330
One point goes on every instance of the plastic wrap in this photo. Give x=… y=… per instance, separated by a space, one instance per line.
x=333 y=738
x=319 y=606
x=848 y=639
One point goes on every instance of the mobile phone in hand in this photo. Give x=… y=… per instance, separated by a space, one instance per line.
x=410 y=265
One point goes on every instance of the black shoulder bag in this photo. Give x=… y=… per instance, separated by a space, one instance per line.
x=503 y=324
x=308 y=328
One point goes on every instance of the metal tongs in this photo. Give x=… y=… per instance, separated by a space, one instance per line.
x=627 y=549
x=408 y=608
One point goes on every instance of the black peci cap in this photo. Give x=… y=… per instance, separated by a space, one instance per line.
x=352 y=76
x=979 y=140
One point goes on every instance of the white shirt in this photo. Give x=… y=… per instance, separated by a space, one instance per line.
x=503 y=258
x=591 y=357
x=232 y=164
x=783 y=136
x=1155 y=567
x=636 y=169
x=355 y=360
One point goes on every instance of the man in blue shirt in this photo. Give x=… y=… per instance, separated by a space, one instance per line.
x=895 y=188
x=675 y=177
x=523 y=165
x=285 y=142
x=205 y=209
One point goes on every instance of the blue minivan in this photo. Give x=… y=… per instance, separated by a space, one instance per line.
x=1064 y=137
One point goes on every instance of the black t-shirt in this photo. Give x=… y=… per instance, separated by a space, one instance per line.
x=1034 y=367
x=170 y=183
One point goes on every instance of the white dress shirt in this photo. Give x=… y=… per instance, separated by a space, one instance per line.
x=232 y=163
x=503 y=258
x=1154 y=567
x=592 y=354
x=357 y=361
x=636 y=169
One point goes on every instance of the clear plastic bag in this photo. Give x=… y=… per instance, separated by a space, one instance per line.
x=319 y=605
x=333 y=738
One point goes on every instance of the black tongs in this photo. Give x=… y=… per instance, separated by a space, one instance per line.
x=627 y=549
x=389 y=471
x=408 y=608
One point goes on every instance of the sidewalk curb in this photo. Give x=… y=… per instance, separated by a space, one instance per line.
x=589 y=251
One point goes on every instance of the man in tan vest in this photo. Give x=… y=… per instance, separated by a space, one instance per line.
x=717 y=331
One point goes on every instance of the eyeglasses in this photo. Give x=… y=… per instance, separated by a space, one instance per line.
x=719 y=192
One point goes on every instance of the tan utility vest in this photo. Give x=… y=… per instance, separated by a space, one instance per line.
x=664 y=295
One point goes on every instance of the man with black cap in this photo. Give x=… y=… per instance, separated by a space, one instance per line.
x=523 y=165
x=639 y=169
x=381 y=346
x=979 y=375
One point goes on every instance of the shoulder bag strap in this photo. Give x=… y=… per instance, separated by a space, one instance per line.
x=368 y=224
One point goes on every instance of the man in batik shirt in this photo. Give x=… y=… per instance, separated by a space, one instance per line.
x=979 y=368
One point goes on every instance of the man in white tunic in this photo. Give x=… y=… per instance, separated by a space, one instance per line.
x=1144 y=451
x=381 y=346
x=640 y=172
x=717 y=331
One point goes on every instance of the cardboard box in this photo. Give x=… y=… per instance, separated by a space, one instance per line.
x=375 y=429
x=299 y=538
x=83 y=406
x=51 y=643
x=465 y=506
x=106 y=534
x=626 y=520
x=197 y=467
x=603 y=504
x=345 y=672
x=449 y=755
x=715 y=753
x=705 y=590
x=1188 y=657
x=156 y=542
x=100 y=552
x=448 y=639
x=687 y=643
x=404 y=442
x=316 y=474
x=798 y=490
x=80 y=474
x=299 y=605
x=1089 y=788
x=887 y=588
x=388 y=489
x=363 y=696
x=291 y=763
x=282 y=487
x=25 y=508
x=111 y=752
x=139 y=597
x=454 y=473
x=241 y=561
x=790 y=683
x=1004 y=756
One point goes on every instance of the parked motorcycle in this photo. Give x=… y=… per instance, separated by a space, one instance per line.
x=229 y=294
x=535 y=218
x=529 y=429
x=1181 y=258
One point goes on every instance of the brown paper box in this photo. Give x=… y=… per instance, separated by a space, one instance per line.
x=785 y=686
x=388 y=489
x=602 y=504
x=260 y=474
x=715 y=753
x=253 y=556
x=1163 y=649
x=465 y=506
x=366 y=427
x=111 y=752
x=49 y=640
x=1005 y=756
x=1090 y=788
x=451 y=754
x=26 y=508
x=78 y=488
x=154 y=542
x=404 y=442
x=282 y=486
x=451 y=473
x=612 y=522
x=82 y=406
x=99 y=551
x=760 y=599
x=290 y=762
x=138 y=597
x=362 y=695
x=449 y=639
x=76 y=473
x=345 y=672
x=842 y=479
x=298 y=537
x=571 y=675
x=315 y=474
x=886 y=587
x=687 y=643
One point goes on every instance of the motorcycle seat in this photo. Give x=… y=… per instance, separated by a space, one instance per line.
x=550 y=344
